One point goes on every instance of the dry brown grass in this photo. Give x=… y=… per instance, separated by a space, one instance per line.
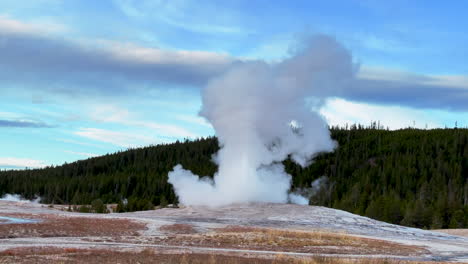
x=27 y=251
x=232 y=237
x=456 y=232
x=71 y=255
x=57 y=226
x=329 y=260
x=290 y=241
x=178 y=229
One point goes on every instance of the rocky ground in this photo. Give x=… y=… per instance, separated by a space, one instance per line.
x=247 y=233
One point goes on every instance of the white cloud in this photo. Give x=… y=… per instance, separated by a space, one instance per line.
x=384 y=44
x=342 y=112
x=10 y=162
x=119 y=115
x=455 y=81
x=15 y=26
x=167 y=130
x=97 y=65
x=273 y=49
x=131 y=131
x=122 y=139
x=85 y=154
x=380 y=73
x=65 y=140
x=10 y=115
x=203 y=27
x=186 y=15
x=193 y=120
x=109 y=113
x=10 y=25
x=127 y=51
x=133 y=52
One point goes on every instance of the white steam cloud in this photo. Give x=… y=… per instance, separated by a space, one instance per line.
x=303 y=195
x=262 y=113
x=18 y=198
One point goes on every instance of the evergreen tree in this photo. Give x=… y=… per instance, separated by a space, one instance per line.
x=413 y=177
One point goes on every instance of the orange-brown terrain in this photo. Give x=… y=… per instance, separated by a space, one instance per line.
x=254 y=233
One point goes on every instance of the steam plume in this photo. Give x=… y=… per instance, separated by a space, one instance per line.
x=262 y=113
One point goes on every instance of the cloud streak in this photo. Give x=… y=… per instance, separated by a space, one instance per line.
x=12 y=26
x=84 y=154
x=114 y=114
x=23 y=124
x=116 y=138
x=412 y=94
x=19 y=163
x=64 y=65
x=184 y=15
x=51 y=64
x=341 y=112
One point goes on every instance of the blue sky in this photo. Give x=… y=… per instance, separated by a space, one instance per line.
x=86 y=78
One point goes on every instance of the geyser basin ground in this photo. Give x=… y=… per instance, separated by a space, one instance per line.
x=13 y=220
x=283 y=232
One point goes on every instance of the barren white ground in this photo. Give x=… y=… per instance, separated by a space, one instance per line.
x=441 y=246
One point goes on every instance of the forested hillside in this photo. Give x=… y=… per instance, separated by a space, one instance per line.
x=410 y=177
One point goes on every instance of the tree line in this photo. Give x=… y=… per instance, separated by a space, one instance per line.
x=411 y=177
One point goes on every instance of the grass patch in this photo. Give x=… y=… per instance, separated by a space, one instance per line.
x=178 y=229
x=58 y=226
x=99 y=256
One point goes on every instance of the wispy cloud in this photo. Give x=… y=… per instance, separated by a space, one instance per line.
x=121 y=139
x=342 y=112
x=167 y=130
x=193 y=120
x=9 y=25
x=114 y=114
x=184 y=15
x=392 y=87
x=85 y=154
x=78 y=142
x=103 y=66
x=23 y=124
x=10 y=162
x=384 y=44
x=130 y=52
x=385 y=74
x=115 y=68
x=109 y=113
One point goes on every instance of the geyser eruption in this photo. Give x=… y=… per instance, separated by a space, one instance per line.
x=262 y=113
